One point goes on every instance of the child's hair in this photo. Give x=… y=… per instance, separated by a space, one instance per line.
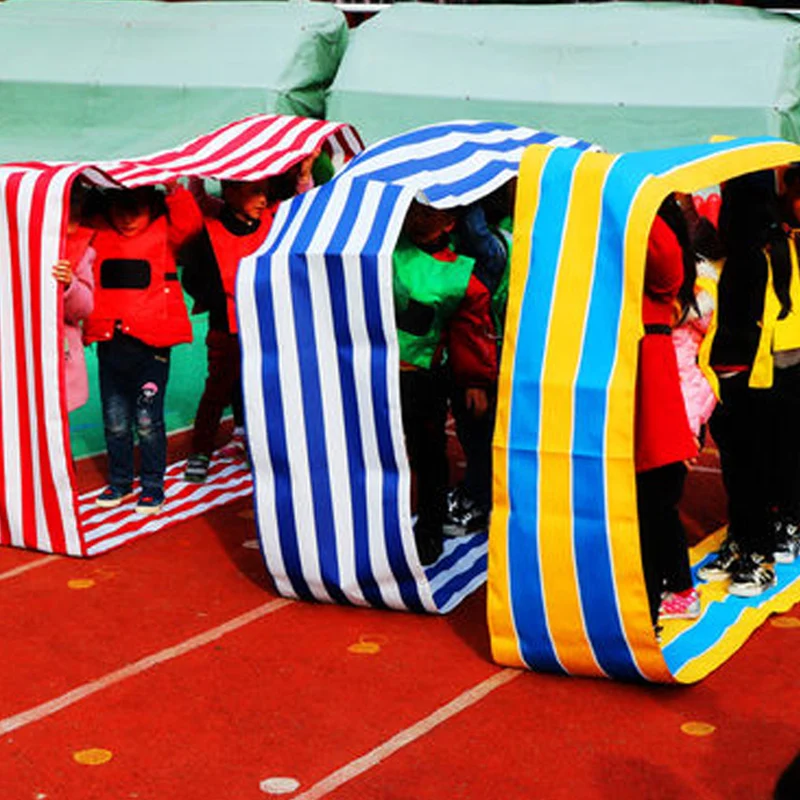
x=672 y=214
x=500 y=203
x=135 y=199
x=750 y=220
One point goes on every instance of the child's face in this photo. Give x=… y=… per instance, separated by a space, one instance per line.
x=129 y=220
x=248 y=199
x=424 y=225
x=792 y=199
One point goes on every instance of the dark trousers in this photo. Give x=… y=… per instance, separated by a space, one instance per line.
x=785 y=441
x=475 y=435
x=133 y=382
x=665 y=557
x=423 y=396
x=223 y=388
x=743 y=429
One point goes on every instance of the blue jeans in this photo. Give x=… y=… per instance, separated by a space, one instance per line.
x=133 y=381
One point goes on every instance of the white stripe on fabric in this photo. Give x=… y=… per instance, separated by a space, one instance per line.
x=32 y=358
x=293 y=412
x=331 y=399
x=55 y=421
x=128 y=168
x=362 y=371
x=460 y=566
x=431 y=149
x=386 y=284
x=255 y=403
x=11 y=450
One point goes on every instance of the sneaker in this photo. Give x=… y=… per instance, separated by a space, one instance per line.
x=722 y=565
x=752 y=576
x=113 y=496
x=787 y=543
x=150 y=502
x=680 y=605
x=463 y=515
x=196 y=468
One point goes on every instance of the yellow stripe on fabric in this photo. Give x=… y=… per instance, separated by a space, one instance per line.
x=562 y=362
x=505 y=646
x=620 y=475
x=737 y=635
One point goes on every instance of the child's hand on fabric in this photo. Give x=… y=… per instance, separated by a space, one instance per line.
x=477 y=402
x=62 y=272
x=307 y=163
x=171 y=185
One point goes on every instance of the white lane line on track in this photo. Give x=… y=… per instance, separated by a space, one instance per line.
x=81 y=692
x=40 y=562
x=409 y=735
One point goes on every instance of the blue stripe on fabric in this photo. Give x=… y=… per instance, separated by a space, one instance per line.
x=380 y=398
x=312 y=410
x=276 y=432
x=427 y=134
x=459 y=581
x=347 y=381
x=592 y=553
x=461 y=548
x=525 y=578
x=718 y=617
x=435 y=162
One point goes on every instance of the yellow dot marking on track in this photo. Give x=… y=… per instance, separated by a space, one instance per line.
x=698 y=728
x=80 y=583
x=785 y=622
x=93 y=756
x=368 y=644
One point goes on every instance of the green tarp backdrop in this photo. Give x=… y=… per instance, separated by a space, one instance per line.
x=98 y=79
x=625 y=75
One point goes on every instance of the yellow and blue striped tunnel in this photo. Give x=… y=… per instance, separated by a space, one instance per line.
x=566 y=588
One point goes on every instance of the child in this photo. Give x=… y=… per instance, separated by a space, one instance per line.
x=211 y=264
x=139 y=315
x=662 y=435
x=483 y=233
x=433 y=287
x=74 y=272
x=756 y=277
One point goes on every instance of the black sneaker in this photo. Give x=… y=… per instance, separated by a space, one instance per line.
x=752 y=576
x=196 y=468
x=787 y=543
x=150 y=502
x=722 y=565
x=464 y=516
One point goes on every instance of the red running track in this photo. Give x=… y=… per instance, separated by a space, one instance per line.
x=346 y=703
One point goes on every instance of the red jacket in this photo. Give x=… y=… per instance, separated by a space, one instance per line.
x=229 y=250
x=662 y=433
x=136 y=280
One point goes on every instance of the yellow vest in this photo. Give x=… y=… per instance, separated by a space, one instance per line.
x=777 y=335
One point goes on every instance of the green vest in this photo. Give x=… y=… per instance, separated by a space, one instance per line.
x=500 y=296
x=427 y=293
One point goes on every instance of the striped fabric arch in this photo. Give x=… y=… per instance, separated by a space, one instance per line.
x=566 y=591
x=321 y=372
x=38 y=506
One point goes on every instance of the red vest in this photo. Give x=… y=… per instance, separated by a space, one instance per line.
x=137 y=288
x=229 y=250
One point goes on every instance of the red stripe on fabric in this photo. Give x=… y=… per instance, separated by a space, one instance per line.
x=24 y=450
x=5 y=527
x=40 y=318
x=194 y=146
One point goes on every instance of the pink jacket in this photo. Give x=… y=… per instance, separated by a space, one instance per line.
x=698 y=395
x=78 y=304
